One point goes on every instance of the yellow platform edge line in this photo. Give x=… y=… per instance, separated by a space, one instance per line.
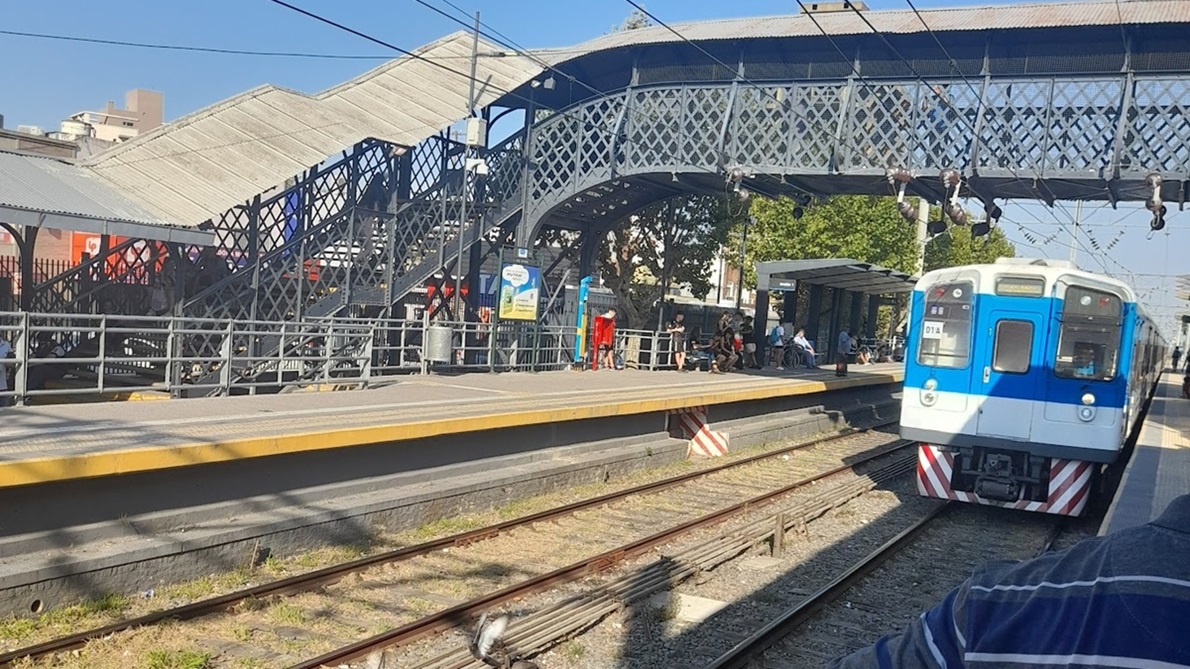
x=127 y=461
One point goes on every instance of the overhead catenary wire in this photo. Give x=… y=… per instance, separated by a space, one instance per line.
x=197 y=49
x=1075 y=224
x=961 y=117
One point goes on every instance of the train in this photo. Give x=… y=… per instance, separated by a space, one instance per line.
x=1024 y=380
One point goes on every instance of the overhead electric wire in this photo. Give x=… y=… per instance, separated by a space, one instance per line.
x=962 y=117
x=199 y=49
x=488 y=84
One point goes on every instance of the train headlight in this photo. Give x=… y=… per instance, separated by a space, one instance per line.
x=931 y=384
x=1088 y=399
x=929 y=397
x=1086 y=414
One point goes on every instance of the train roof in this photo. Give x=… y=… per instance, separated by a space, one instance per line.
x=1050 y=270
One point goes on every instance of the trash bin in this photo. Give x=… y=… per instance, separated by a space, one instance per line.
x=439 y=339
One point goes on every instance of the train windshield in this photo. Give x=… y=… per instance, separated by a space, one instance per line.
x=944 y=339
x=1089 y=337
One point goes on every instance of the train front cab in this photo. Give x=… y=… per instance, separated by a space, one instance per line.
x=1019 y=387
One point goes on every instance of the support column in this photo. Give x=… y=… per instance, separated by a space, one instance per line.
x=761 y=320
x=590 y=246
x=25 y=243
x=873 y=316
x=857 y=311
x=789 y=309
x=836 y=322
x=814 y=315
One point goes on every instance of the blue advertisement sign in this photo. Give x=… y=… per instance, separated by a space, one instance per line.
x=520 y=292
x=580 y=338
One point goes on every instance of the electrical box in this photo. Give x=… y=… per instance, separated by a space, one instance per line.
x=477 y=132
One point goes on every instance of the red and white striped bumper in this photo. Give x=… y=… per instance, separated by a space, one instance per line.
x=692 y=424
x=1069 y=488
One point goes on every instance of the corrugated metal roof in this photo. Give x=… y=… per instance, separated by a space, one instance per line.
x=203 y=164
x=991 y=17
x=37 y=190
x=843 y=273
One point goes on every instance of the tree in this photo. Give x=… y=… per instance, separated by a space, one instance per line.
x=636 y=20
x=956 y=246
x=670 y=243
x=860 y=227
x=863 y=228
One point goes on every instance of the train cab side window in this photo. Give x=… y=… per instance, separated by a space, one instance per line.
x=944 y=337
x=1014 y=347
x=1089 y=335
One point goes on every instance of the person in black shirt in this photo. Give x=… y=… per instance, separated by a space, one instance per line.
x=677 y=332
x=748 y=332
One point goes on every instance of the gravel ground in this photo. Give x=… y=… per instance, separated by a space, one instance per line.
x=278 y=633
x=654 y=634
x=911 y=581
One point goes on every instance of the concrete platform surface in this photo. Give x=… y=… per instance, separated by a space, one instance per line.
x=1159 y=469
x=65 y=442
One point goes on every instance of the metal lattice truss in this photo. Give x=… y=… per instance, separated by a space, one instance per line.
x=372 y=226
x=1049 y=138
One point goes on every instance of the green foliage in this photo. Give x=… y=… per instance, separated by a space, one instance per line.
x=636 y=20
x=671 y=242
x=957 y=247
x=859 y=227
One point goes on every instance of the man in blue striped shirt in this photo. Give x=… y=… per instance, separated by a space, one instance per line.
x=1117 y=601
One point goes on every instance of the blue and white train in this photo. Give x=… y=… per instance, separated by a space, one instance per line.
x=1024 y=379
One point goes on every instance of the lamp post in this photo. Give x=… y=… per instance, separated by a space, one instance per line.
x=739 y=289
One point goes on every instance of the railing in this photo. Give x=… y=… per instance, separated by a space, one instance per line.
x=63 y=355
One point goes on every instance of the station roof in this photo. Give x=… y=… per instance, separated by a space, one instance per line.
x=203 y=164
x=1032 y=15
x=39 y=191
x=199 y=166
x=841 y=273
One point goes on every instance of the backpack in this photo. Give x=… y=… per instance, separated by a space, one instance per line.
x=775 y=336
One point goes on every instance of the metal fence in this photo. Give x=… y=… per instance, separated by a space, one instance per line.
x=85 y=354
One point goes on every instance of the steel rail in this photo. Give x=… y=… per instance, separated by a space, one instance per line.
x=572 y=616
x=764 y=638
x=460 y=613
x=1052 y=537
x=329 y=575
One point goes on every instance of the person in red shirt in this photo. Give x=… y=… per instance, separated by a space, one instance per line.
x=605 y=338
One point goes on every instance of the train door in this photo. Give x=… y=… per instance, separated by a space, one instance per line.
x=1010 y=375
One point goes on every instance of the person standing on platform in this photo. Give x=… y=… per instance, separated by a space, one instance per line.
x=842 y=351
x=748 y=332
x=677 y=333
x=606 y=339
x=777 y=346
x=1177 y=354
x=1121 y=600
x=5 y=354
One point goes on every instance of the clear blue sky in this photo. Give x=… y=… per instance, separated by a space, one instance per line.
x=45 y=81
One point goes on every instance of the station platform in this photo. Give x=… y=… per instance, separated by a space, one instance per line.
x=1159 y=469
x=58 y=443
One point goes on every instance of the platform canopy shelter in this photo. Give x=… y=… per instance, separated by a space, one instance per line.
x=37 y=192
x=850 y=282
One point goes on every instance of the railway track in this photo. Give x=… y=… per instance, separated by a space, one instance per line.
x=546 y=627
x=914 y=570
x=670 y=503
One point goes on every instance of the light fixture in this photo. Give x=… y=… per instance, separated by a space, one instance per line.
x=902 y=177
x=1154 y=203
x=798 y=212
x=951 y=181
x=936 y=227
